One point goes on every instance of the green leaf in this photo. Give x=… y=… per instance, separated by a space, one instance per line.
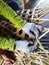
x=11 y=15
x=6 y=43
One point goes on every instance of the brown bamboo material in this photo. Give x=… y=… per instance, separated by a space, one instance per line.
x=42 y=13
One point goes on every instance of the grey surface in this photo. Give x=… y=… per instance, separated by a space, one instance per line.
x=22 y=45
x=31 y=4
x=46 y=24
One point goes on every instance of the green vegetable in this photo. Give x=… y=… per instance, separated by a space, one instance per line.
x=11 y=15
x=6 y=43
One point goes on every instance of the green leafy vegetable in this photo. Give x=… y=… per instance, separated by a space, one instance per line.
x=11 y=15
x=6 y=43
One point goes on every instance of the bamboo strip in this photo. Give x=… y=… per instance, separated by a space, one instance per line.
x=41 y=16
x=42 y=47
x=43 y=34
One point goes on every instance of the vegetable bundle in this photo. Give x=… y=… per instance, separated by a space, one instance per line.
x=11 y=15
x=6 y=43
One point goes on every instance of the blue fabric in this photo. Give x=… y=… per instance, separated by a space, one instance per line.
x=14 y=5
